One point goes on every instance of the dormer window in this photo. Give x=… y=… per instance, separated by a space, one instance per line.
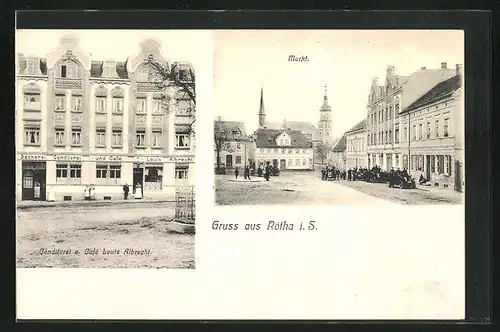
x=236 y=134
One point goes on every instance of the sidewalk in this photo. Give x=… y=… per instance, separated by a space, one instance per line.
x=36 y=204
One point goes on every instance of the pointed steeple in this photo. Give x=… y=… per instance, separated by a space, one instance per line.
x=325 y=105
x=262 y=109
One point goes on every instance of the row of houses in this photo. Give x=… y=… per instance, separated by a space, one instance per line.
x=83 y=121
x=413 y=122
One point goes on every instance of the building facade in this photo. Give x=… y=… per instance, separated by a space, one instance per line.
x=80 y=122
x=286 y=149
x=436 y=142
x=232 y=146
x=338 y=154
x=355 y=152
x=387 y=131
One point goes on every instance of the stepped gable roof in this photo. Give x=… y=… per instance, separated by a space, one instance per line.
x=341 y=145
x=439 y=91
x=360 y=125
x=266 y=138
x=230 y=127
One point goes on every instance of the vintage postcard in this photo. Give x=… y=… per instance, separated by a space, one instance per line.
x=338 y=117
x=105 y=149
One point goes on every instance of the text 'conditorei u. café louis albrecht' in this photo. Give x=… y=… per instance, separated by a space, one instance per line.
x=105 y=123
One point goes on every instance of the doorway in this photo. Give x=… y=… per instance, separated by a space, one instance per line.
x=138 y=178
x=282 y=164
x=34 y=185
x=428 y=167
x=458 y=176
x=229 y=161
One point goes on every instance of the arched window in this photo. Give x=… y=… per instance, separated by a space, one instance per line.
x=69 y=69
x=148 y=72
x=117 y=94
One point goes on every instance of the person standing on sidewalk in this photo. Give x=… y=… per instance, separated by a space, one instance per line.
x=125 y=190
x=236 y=172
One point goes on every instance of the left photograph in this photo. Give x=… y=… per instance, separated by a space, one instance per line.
x=105 y=124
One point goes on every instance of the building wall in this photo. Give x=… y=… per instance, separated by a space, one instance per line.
x=166 y=158
x=356 y=155
x=305 y=157
x=338 y=160
x=237 y=150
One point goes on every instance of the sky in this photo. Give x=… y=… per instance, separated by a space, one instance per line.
x=344 y=60
x=176 y=45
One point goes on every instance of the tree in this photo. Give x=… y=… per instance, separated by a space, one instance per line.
x=221 y=140
x=322 y=150
x=180 y=76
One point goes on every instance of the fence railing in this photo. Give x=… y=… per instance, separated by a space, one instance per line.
x=185 y=205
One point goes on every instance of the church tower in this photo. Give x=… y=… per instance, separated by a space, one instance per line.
x=262 y=111
x=325 y=121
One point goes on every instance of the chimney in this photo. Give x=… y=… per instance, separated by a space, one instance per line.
x=285 y=125
x=459 y=69
x=219 y=118
x=423 y=68
x=443 y=65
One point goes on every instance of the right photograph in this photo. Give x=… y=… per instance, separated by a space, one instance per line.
x=339 y=117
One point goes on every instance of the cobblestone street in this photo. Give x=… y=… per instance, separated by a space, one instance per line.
x=308 y=188
x=137 y=226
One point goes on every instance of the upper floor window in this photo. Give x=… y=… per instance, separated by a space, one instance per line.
x=157 y=138
x=117 y=105
x=428 y=130
x=60 y=103
x=32 y=135
x=148 y=73
x=77 y=103
x=437 y=128
x=183 y=107
x=69 y=69
x=140 y=138
x=446 y=127
x=141 y=105
x=31 y=97
x=157 y=106
x=100 y=105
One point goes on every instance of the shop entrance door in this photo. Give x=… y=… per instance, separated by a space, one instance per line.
x=33 y=186
x=138 y=179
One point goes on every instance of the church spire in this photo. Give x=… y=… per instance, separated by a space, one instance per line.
x=262 y=110
x=325 y=100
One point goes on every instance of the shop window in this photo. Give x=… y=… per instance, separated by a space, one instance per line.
x=290 y=162
x=304 y=162
x=238 y=160
x=297 y=162
x=59 y=136
x=116 y=139
x=61 y=171
x=31 y=135
x=100 y=137
x=115 y=172
x=76 y=136
x=102 y=171
x=433 y=164
x=181 y=172
x=75 y=171
x=440 y=163
x=140 y=138
x=448 y=165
